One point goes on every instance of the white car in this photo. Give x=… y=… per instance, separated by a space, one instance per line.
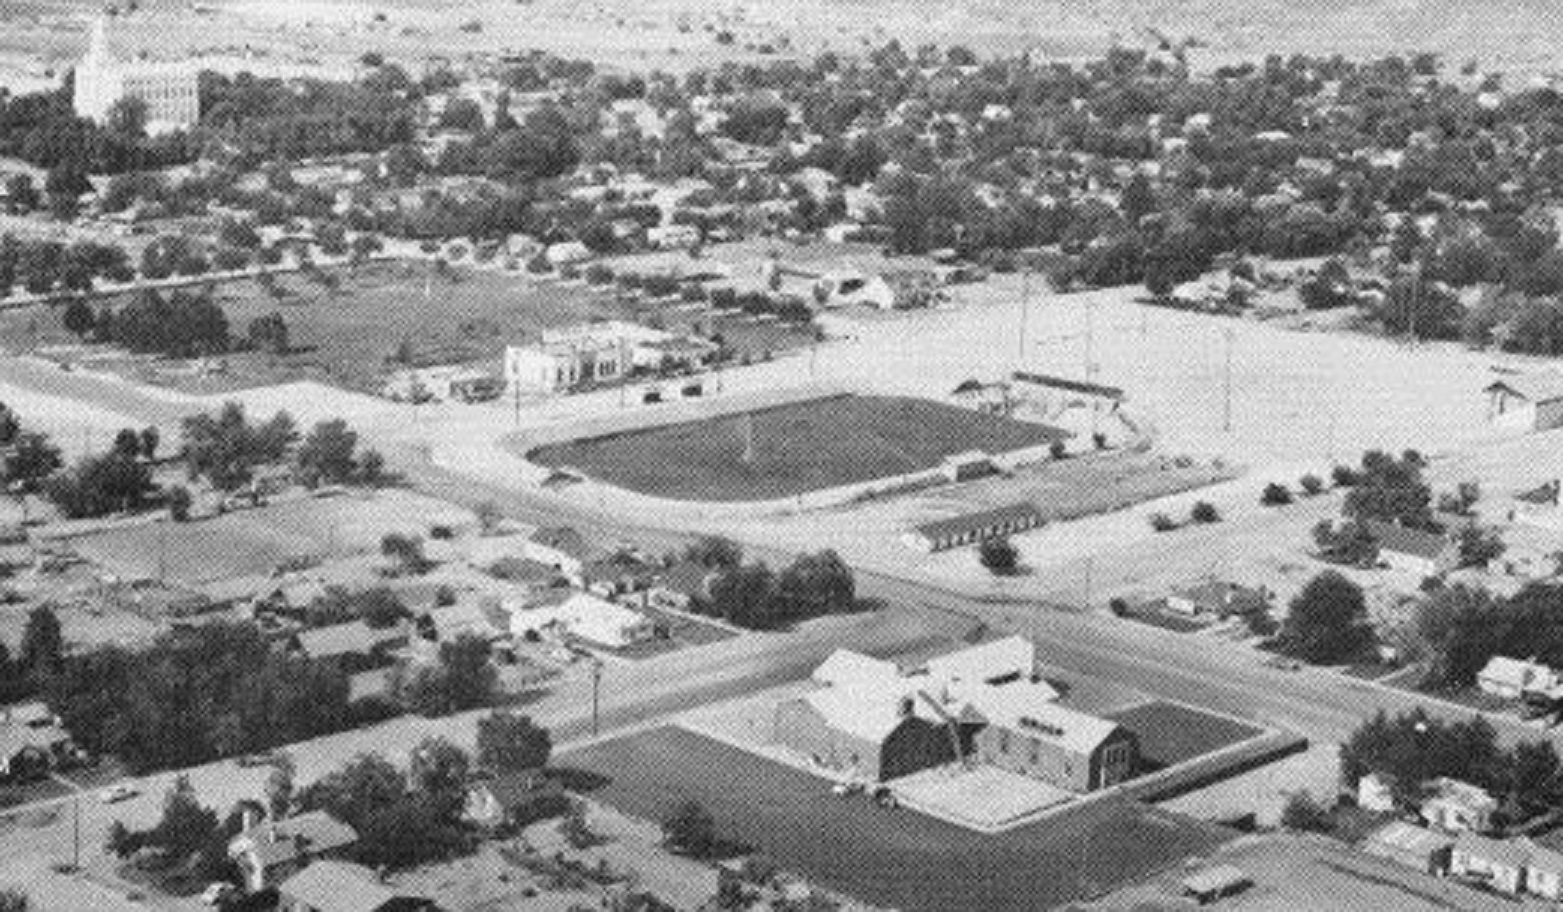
x=117 y=793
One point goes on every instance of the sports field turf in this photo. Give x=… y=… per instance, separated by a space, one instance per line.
x=897 y=859
x=793 y=449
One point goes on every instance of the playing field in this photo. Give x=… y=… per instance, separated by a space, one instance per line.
x=892 y=859
x=792 y=449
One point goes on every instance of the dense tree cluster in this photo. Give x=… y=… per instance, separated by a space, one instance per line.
x=1458 y=629
x=196 y=694
x=1327 y=622
x=226 y=449
x=180 y=324
x=753 y=595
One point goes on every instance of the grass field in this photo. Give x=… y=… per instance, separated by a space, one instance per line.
x=896 y=859
x=1171 y=733
x=797 y=448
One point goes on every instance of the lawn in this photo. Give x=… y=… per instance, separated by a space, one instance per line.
x=1171 y=733
x=796 y=448
x=897 y=859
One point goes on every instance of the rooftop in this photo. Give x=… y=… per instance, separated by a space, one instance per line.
x=1538 y=387
x=1024 y=513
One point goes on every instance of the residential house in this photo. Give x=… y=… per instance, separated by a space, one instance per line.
x=1539 y=506
x=1413 y=846
x=338 y=886
x=353 y=645
x=1458 y=807
x=32 y=742
x=1512 y=679
x=874 y=720
x=581 y=616
x=991 y=398
x=1374 y=794
x=616 y=574
x=968 y=466
x=1543 y=870
x=1219 y=598
x=562 y=548
x=1527 y=402
x=681 y=586
x=269 y=852
x=973 y=528
x=1413 y=551
x=1498 y=864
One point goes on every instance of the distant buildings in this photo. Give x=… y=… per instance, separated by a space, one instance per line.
x=168 y=90
x=1458 y=807
x=1514 y=679
x=985 y=704
x=1412 y=846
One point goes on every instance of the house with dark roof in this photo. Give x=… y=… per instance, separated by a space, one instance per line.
x=353 y=645
x=1528 y=402
x=1412 y=846
x=973 y=528
x=681 y=586
x=270 y=852
x=32 y=742
x=1217 y=597
x=1414 y=551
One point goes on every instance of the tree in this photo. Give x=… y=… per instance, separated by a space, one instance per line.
x=746 y=596
x=1348 y=542
x=226 y=449
x=179 y=503
x=354 y=792
x=405 y=551
x=127 y=443
x=1304 y=814
x=43 y=645
x=13 y=900
x=1457 y=630
x=715 y=552
x=1204 y=512
x=1390 y=490
x=509 y=742
x=1311 y=484
x=470 y=675
x=410 y=831
x=101 y=485
x=326 y=455
x=438 y=767
x=78 y=318
x=1328 y=621
x=150 y=438
x=1275 y=494
x=999 y=555
x=280 y=786
x=269 y=332
x=21 y=194
x=689 y=828
x=1478 y=545
x=187 y=826
x=815 y=585
x=488 y=516
x=32 y=458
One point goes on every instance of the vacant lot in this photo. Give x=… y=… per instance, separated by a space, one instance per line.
x=1171 y=733
x=897 y=859
x=254 y=542
x=792 y=449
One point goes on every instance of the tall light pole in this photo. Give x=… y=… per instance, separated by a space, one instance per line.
x=596 y=694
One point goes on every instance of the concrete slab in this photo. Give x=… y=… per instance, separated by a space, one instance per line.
x=983 y=797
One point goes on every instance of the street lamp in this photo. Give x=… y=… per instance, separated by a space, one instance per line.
x=596 y=693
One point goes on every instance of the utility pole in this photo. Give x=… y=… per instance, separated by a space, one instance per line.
x=596 y=694
x=76 y=832
x=1226 y=406
x=1025 y=311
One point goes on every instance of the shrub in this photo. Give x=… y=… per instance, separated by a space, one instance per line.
x=1161 y=522
x=179 y=503
x=999 y=555
x=1058 y=449
x=1304 y=813
x=1345 y=476
x=1276 y=495
x=1205 y=512
x=1311 y=484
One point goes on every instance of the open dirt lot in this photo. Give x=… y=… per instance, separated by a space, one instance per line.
x=792 y=449
x=254 y=542
x=889 y=858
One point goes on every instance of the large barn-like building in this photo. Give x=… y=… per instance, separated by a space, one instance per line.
x=872 y=720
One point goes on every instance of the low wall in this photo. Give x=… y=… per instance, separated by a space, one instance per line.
x=1223 y=764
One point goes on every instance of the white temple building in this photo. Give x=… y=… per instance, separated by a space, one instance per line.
x=169 y=90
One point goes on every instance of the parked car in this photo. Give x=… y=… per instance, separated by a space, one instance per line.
x=117 y=793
